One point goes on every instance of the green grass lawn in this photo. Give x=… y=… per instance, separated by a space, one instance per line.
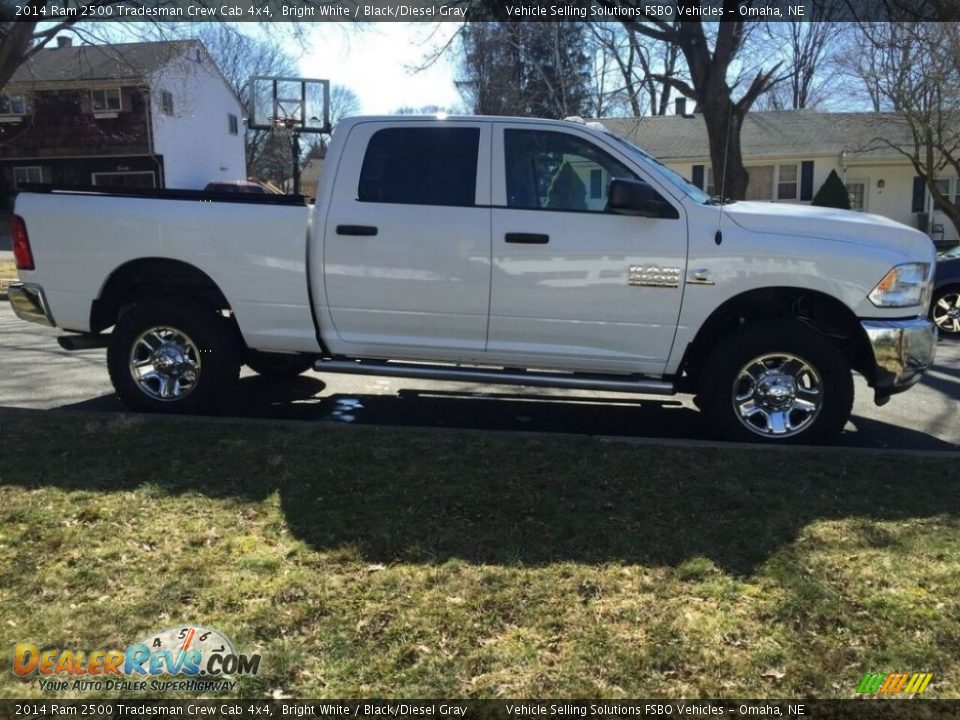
x=368 y=562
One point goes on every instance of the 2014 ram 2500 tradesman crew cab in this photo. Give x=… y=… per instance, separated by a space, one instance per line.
x=518 y=251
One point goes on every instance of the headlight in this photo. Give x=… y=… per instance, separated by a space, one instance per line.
x=904 y=286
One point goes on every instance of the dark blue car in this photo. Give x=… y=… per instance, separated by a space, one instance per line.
x=945 y=309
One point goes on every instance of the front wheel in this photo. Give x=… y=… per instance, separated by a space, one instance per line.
x=779 y=382
x=173 y=358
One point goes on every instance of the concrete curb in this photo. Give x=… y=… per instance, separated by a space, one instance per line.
x=6 y=412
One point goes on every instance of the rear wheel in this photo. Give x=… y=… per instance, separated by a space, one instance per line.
x=173 y=358
x=945 y=311
x=776 y=382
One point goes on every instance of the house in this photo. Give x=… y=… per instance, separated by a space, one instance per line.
x=789 y=154
x=150 y=114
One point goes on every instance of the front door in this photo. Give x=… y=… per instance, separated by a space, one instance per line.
x=407 y=241
x=574 y=286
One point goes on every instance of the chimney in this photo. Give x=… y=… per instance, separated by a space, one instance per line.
x=681 y=106
x=64 y=41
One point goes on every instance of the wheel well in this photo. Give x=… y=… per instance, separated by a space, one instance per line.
x=818 y=310
x=153 y=278
x=952 y=285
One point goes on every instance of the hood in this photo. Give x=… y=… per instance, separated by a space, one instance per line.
x=831 y=224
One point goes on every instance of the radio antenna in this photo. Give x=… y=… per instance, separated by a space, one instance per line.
x=718 y=236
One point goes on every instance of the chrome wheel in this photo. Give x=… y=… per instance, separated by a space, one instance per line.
x=946 y=312
x=777 y=395
x=165 y=363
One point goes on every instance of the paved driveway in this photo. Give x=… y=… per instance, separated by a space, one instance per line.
x=36 y=373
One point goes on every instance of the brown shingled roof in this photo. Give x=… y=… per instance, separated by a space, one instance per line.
x=121 y=61
x=774 y=133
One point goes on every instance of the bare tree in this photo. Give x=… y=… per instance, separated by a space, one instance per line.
x=343 y=103
x=641 y=65
x=810 y=49
x=916 y=72
x=712 y=57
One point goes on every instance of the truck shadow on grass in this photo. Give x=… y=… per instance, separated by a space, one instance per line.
x=479 y=408
x=387 y=495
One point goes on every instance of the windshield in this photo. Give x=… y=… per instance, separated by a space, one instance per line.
x=671 y=176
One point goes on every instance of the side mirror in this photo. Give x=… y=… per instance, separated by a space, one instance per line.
x=635 y=197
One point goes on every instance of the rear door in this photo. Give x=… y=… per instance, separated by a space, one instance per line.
x=407 y=240
x=575 y=286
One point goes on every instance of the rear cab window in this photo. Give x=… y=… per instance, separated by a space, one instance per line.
x=421 y=166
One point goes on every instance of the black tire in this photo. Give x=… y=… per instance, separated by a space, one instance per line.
x=946 y=320
x=210 y=337
x=817 y=362
x=278 y=366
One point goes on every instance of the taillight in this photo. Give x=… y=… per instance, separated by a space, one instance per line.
x=21 y=244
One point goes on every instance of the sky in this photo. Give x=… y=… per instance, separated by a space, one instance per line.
x=378 y=62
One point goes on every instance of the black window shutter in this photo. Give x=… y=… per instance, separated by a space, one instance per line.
x=919 y=188
x=697 y=178
x=806 y=180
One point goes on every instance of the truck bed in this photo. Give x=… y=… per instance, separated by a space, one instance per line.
x=252 y=247
x=167 y=194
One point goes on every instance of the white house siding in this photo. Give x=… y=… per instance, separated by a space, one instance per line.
x=195 y=142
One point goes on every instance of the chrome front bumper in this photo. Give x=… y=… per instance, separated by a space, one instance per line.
x=29 y=303
x=902 y=350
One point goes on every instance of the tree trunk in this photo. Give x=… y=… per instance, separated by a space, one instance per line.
x=724 y=120
x=723 y=116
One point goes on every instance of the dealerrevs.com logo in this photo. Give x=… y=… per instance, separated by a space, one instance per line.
x=191 y=657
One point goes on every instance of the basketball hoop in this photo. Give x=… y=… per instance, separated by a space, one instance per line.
x=276 y=100
x=288 y=123
x=289 y=107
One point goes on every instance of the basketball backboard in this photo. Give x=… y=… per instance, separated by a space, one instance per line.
x=301 y=104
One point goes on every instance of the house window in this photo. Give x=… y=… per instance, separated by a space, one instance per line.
x=233 y=124
x=32 y=174
x=857 y=192
x=105 y=100
x=166 y=102
x=943 y=186
x=11 y=104
x=767 y=182
x=787 y=182
x=761 y=182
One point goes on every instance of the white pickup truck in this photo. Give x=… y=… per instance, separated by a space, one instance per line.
x=493 y=250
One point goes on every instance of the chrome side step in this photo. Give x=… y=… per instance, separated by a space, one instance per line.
x=498 y=376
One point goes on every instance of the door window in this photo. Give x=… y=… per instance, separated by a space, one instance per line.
x=421 y=166
x=557 y=171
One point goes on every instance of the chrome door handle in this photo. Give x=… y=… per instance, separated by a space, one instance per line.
x=700 y=277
